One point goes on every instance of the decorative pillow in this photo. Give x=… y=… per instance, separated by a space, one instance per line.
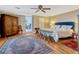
x=63 y=27
x=57 y=27
x=66 y=27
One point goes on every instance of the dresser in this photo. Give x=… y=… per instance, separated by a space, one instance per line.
x=8 y=25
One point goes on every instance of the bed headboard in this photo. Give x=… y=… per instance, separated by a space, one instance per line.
x=66 y=23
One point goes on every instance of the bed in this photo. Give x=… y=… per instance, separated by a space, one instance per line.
x=60 y=30
x=66 y=29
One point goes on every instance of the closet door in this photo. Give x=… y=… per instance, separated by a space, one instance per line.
x=14 y=25
x=7 y=25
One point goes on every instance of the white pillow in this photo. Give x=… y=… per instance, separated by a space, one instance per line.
x=66 y=27
x=57 y=27
x=63 y=27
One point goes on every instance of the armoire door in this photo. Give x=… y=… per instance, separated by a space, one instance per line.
x=14 y=25
x=8 y=25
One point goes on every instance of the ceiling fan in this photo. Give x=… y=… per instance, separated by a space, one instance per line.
x=41 y=8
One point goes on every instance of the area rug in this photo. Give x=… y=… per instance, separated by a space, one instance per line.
x=72 y=44
x=24 y=45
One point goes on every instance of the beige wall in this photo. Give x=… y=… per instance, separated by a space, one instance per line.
x=69 y=16
x=47 y=22
x=21 y=21
x=41 y=22
x=35 y=21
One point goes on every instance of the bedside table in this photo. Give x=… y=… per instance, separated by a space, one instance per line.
x=75 y=35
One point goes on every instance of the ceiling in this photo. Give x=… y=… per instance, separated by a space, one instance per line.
x=26 y=9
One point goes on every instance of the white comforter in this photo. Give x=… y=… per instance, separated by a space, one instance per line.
x=60 y=33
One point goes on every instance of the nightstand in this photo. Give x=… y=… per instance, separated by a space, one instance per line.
x=75 y=35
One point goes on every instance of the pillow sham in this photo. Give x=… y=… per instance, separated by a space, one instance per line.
x=66 y=27
x=57 y=27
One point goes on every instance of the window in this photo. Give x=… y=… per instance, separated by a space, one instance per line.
x=28 y=23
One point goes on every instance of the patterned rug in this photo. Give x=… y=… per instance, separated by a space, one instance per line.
x=72 y=44
x=24 y=45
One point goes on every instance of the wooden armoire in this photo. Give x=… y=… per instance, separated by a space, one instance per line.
x=8 y=25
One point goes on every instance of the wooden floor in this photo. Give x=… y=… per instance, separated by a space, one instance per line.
x=57 y=48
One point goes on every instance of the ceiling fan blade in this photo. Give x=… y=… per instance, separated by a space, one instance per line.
x=43 y=11
x=37 y=11
x=34 y=8
x=46 y=8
